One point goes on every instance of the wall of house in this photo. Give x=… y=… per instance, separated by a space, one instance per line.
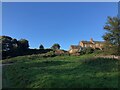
x=97 y=45
x=81 y=44
x=73 y=50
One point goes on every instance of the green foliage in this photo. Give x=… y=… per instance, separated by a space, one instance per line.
x=13 y=47
x=9 y=44
x=87 y=50
x=55 y=46
x=82 y=51
x=6 y=43
x=41 y=47
x=23 y=44
x=50 y=54
x=61 y=72
x=112 y=37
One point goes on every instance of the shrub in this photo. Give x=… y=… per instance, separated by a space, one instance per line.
x=55 y=46
x=41 y=47
x=89 y=50
x=82 y=51
x=50 y=54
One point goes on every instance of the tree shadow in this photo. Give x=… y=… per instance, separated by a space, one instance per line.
x=40 y=64
x=76 y=74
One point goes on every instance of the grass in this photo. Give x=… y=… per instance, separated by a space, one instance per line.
x=61 y=72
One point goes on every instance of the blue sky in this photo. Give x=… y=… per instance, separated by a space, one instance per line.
x=49 y=23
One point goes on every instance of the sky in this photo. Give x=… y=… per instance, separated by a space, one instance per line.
x=49 y=22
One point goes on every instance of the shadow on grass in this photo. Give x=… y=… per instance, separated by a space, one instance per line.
x=86 y=66
x=86 y=73
x=46 y=63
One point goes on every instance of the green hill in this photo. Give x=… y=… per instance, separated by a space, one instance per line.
x=84 y=71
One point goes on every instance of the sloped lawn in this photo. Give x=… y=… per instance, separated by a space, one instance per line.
x=61 y=72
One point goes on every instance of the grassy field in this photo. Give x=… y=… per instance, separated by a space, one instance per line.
x=61 y=72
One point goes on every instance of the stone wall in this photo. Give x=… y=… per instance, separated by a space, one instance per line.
x=110 y=56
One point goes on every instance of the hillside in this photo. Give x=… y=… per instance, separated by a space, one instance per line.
x=84 y=71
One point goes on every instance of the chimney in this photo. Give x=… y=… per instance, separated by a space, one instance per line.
x=91 y=40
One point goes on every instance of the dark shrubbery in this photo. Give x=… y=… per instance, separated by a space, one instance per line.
x=41 y=47
x=55 y=46
x=87 y=50
x=8 y=54
x=50 y=54
x=12 y=47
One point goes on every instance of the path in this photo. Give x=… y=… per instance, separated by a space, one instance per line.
x=109 y=56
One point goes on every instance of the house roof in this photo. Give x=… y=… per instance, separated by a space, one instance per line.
x=86 y=42
x=99 y=41
x=75 y=47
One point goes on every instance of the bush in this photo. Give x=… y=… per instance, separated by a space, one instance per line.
x=41 y=47
x=83 y=51
x=50 y=54
x=88 y=50
x=55 y=46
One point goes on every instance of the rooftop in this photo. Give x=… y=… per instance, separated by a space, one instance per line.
x=75 y=46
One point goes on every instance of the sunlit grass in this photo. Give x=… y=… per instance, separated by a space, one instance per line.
x=61 y=72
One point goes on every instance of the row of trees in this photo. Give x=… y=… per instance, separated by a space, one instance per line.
x=11 y=47
x=54 y=46
x=11 y=44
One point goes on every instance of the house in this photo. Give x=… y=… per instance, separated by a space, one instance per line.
x=74 y=48
x=85 y=44
x=93 y=44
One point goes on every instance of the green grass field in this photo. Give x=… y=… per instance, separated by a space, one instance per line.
x=61 y=72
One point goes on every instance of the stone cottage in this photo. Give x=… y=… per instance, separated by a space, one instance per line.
x=84 y=44
x=92 y=44
x=74 y=48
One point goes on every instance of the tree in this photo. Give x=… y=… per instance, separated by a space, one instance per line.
x=55 y=46
x=10 y=44
x=23 y=44
x=41 y=47
x=13 y=47
x=14 y=44
x=6 y=43
x=112 y=36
